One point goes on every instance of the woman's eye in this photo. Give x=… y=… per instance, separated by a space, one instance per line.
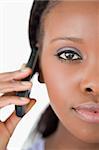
x=69 y=54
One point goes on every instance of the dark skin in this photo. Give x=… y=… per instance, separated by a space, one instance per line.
x=78 y=23
x=66 y=80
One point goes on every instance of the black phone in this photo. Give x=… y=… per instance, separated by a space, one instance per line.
x=20 y=110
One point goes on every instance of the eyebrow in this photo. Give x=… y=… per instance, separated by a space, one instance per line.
x=73 y=39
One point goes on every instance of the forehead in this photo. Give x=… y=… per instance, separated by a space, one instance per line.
x=72 y=17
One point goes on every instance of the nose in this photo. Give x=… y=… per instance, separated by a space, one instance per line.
x=90 y=83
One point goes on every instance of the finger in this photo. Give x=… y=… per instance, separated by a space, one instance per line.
x=7 y=100
x=23 y=66
x=11 y=86
x=10 y=94
x=30 y=105
x=16 y=75
x=14 y=119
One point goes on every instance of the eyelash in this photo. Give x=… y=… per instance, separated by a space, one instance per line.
x=68 y=50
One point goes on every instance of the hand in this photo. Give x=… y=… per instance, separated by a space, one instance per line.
x=10 y=83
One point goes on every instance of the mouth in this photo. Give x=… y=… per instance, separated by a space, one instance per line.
x=88 y=112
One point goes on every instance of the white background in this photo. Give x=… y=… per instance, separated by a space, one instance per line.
x=14 y=51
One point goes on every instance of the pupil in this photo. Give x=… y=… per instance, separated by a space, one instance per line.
x=70 y=56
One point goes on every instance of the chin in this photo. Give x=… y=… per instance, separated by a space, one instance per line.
x=86 y=135
x=88 y=138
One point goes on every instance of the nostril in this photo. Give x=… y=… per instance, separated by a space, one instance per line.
x=88 y=89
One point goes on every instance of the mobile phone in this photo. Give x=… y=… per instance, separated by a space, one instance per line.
x=20 y=110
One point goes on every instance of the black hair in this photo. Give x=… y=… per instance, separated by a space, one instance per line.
x=48 y=122
x=34 y=24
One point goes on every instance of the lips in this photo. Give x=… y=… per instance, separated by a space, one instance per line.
x=88 y=112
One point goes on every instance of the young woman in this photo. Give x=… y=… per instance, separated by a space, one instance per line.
x=67 y=35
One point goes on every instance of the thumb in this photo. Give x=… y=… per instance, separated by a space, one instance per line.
x=13 y=120
x=30 y=104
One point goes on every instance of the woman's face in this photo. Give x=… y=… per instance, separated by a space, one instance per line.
x=70 y=65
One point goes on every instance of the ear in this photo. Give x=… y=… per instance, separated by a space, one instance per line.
x=40 y=77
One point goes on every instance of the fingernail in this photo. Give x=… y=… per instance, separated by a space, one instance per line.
x=23 y=66
x=24 y=69
x=25 y=83
x=24 y=100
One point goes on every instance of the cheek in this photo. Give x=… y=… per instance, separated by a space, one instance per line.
x=60 y=84
x=60 y=81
